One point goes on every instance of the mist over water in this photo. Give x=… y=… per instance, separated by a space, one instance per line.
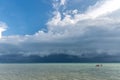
x=59 y=71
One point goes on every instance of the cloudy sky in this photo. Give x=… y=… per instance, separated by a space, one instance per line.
x=75 y=27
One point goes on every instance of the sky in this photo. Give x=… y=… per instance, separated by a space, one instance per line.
x=74 y=27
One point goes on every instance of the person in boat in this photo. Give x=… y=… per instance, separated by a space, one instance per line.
x=98 y=65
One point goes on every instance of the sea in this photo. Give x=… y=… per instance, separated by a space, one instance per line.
x=60 y=71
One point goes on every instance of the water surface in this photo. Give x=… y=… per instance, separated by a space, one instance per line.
x=75 y=71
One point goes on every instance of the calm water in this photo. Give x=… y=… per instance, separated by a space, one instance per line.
x=59 y=72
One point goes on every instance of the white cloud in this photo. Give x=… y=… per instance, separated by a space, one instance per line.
x=74 y=23
x=101 y=8
x=62 y=2
x=3 y=27
x=57 y=4
x=104 y=7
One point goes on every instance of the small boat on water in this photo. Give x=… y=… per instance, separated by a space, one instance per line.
x=99 y=65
